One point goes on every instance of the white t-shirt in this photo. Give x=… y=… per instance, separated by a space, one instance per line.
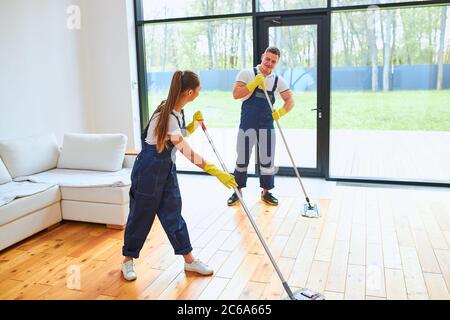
x=247 y=75
x=173 y=128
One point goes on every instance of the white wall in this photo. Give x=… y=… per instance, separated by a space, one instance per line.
x=40 y=87
x=109 y=59
x=53 y=79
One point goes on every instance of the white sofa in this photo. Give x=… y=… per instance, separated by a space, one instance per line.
x=41 y=184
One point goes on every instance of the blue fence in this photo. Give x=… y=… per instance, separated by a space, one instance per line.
x=402 y=77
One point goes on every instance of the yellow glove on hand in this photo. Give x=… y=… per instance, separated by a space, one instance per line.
x=224 y=177
x=258 y=81
x=197 y=116
x=191 y=127
x=277 y=114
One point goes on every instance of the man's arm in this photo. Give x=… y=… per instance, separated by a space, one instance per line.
x=288 y=100
x=240 y=90
x=243 y=88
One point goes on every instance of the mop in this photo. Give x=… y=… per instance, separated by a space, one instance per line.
x=304 y=294
x=309 y=210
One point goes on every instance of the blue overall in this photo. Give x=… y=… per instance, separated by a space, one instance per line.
x=154 y=190
x=256 y=126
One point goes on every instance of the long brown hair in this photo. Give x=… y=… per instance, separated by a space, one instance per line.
x=181 y=81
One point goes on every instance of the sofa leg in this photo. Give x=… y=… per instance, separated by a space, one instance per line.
x=56 y=225
x=115 y=226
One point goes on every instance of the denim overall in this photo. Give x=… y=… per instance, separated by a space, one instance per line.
x=256 y=126
x=154 y=190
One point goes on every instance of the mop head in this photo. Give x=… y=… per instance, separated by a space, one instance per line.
x=306 y=294
x=311 y=211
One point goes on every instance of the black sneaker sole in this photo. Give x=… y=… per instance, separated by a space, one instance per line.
x=268 y=202
x=233 y=203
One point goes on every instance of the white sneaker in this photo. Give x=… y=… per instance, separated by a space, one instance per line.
x=128 y=270
x=199 y=267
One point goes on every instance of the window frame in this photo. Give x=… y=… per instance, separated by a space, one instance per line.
x=256 y=16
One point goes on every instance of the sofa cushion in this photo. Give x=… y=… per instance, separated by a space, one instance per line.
x=103 y=152
x=81 y=178
x=12 y=190
x=28 y=225
x=114 y=195
x=4 y=174
x=95 y=212
x=24 y=156
x=27 y=205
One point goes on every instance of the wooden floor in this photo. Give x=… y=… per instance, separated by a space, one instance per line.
x=371 y=243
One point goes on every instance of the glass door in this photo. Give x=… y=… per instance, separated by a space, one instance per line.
x=304 y=46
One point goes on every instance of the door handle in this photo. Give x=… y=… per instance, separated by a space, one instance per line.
x=319 y=113
x=276 y=20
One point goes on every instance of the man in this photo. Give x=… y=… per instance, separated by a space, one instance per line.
x=257 y=121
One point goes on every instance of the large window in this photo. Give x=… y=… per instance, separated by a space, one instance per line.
x=271 y=5
x=216 y=50
x=165 y=9
x=391 y=94
x=373 y=103
x=338 y=3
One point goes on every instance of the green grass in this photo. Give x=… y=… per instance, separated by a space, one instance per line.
x=394 y=110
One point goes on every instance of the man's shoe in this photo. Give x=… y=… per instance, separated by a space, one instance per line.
x=269 y=199
x=129 y=271
x=233 y=199
x=199 y=267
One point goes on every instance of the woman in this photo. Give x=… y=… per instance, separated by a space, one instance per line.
x=154 y=186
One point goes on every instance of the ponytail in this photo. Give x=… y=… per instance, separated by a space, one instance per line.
x=181 y=81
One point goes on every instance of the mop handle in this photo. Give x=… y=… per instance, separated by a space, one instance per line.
x=287 y=147
x=255 y=227
x=224 y=167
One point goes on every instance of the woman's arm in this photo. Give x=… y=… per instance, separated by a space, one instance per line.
x=181 y=144
x=224 y=177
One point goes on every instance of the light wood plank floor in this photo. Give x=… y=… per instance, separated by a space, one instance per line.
x=371 y=243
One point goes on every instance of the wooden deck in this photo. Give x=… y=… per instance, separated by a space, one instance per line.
x=395 y=155
x=371 y=243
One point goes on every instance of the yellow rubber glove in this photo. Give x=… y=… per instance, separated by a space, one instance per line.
x=258 y=81
x=277 y=114
x=224 y=177
x=191 y=127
